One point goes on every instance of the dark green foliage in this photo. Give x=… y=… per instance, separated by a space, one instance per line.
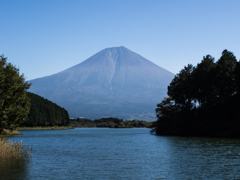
x=45 y=113
x=179 y=88
x=225 y=75
x=203 y=100
x=109 y=122
x=14 y=103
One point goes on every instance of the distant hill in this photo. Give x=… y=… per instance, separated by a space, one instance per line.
x=45 y=113
x=115 y=82
x=109 y=122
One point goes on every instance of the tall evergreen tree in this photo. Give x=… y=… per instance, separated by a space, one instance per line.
x=204 y=81
x=180 y=89
x=225 y=75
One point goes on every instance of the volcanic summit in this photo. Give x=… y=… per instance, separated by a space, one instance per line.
x=114 y=82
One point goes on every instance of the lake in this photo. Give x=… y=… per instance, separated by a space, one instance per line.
x=103 y=153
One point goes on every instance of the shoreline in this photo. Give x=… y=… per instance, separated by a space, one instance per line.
x=45 y=128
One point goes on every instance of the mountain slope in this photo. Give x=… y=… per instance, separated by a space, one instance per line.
x=114 y=82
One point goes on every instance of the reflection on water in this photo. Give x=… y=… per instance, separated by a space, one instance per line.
x=14 y=169
x=201 y=158
x=102 y=153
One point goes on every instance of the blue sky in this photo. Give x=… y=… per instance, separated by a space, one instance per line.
x=43 y=37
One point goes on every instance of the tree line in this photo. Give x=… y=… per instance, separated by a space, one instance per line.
x=45 y=113
x=203 y=100
x=109 y=122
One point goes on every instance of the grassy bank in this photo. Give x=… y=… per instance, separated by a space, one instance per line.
x=45 y=128
x=13 y=150
x=6 y=132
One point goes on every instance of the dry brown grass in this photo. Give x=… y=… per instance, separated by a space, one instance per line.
x=13 y=150
x=6 y=132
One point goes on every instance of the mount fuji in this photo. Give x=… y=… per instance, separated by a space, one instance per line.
x=114 y=82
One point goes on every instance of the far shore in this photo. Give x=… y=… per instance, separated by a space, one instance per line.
x=45 y=128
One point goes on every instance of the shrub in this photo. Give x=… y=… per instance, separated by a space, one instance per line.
x=13 y=150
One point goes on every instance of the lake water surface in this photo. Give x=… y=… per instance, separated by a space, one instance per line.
x=103 y=153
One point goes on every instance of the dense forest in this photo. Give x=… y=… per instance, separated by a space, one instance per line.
x=203 y=100
x=45 y=113
x=109 y=122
